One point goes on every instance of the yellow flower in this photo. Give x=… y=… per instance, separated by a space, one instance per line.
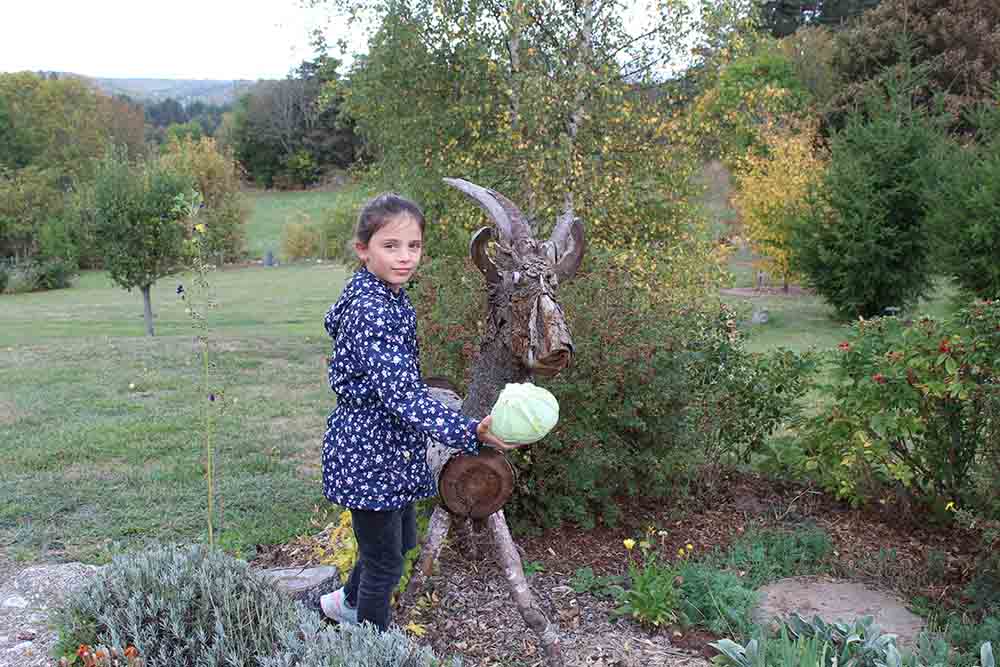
x=950 y=506
x=629 y=543
x=689 y=547
x=200 y=228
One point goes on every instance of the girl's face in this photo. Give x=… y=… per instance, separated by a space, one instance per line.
x=393 y=252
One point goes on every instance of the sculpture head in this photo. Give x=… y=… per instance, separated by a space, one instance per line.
x=522 y=278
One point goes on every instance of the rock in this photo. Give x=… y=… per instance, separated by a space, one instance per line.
x=759 y=316
x=27 y=597
x=14 y=601
x=834 y=600
x=299 y=581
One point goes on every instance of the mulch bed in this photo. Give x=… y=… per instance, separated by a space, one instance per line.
x=465 y=607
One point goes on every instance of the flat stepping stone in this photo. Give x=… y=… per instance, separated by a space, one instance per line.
x=298 y=581
x=834 y=600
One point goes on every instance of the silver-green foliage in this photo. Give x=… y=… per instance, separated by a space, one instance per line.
x=783 y=651
x=313 y=644
x=816 y=643
x=180 y=606
x=859 y=643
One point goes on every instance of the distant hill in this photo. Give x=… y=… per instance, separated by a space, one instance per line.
x=185 y=91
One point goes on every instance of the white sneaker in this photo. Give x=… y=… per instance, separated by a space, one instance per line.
x=335 y=606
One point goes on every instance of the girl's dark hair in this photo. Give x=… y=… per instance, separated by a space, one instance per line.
x=381 y=210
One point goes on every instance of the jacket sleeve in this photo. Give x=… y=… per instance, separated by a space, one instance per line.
x=393 y=370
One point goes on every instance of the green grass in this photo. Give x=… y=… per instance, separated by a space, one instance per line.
x=271 y=211
x=102 y=427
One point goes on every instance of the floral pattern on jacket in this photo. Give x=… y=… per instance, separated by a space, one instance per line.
x=375 y=446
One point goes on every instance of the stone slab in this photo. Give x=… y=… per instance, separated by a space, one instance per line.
x=834 y=600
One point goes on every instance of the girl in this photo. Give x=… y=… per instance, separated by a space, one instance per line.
x=374 y=450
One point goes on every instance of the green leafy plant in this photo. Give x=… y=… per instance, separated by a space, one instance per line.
x=731 y=653
x=780 y=651
x=855 y=644
x=604 y=586
x=652 y=595
x=767 y=555
x=533 y=567
x=718 y=600
x=914 y=406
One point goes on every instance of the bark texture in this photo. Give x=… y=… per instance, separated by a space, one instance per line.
x=513 y=569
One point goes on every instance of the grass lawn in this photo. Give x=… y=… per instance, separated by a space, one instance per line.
x=802 y=321
x=271 y=211
x=102 y=426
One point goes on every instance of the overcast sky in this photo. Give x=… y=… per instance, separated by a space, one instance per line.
x=171 y=39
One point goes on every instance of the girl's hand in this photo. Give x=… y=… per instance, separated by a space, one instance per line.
x=484 y=434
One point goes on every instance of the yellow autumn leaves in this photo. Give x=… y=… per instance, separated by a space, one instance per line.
x=773 y=188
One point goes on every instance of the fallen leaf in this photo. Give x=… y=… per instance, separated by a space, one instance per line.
x=415 y=629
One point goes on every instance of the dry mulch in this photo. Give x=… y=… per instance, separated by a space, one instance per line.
x=465 y=607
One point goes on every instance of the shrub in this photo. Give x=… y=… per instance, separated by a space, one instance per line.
x=965 y=210
x=299 y=241
x=313 y=644
x=337 y=227
x=772 y=193
x=641 y=407
x=914 y=407
x=29 y=199
x=55 y=273
x=215 y=177
x=864 y=243
x=179 y=606
x=717 y=600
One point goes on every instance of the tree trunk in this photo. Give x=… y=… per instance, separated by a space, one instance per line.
x=513 y=569
x=147 y=309
x=490 y=375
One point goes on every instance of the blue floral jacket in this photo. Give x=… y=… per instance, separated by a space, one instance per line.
x=375 y=447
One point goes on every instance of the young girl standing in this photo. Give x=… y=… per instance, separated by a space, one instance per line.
x=374 y=450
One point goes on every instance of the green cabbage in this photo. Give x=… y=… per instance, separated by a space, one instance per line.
x=524 y=413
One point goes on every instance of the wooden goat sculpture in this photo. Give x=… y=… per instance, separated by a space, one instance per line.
x=525 y=334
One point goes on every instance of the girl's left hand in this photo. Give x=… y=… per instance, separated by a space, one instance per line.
x=484 y=434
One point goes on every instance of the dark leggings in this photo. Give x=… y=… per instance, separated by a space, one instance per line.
x=383 y=539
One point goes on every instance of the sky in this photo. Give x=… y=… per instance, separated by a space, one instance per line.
x=169 y=39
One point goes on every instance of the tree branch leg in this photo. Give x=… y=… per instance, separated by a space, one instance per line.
x=437 y=531
x=534 y=617
x=470 y=545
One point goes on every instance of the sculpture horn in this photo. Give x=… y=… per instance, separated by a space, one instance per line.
x=504 y=213
x=477 y=249
x=570 y=247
